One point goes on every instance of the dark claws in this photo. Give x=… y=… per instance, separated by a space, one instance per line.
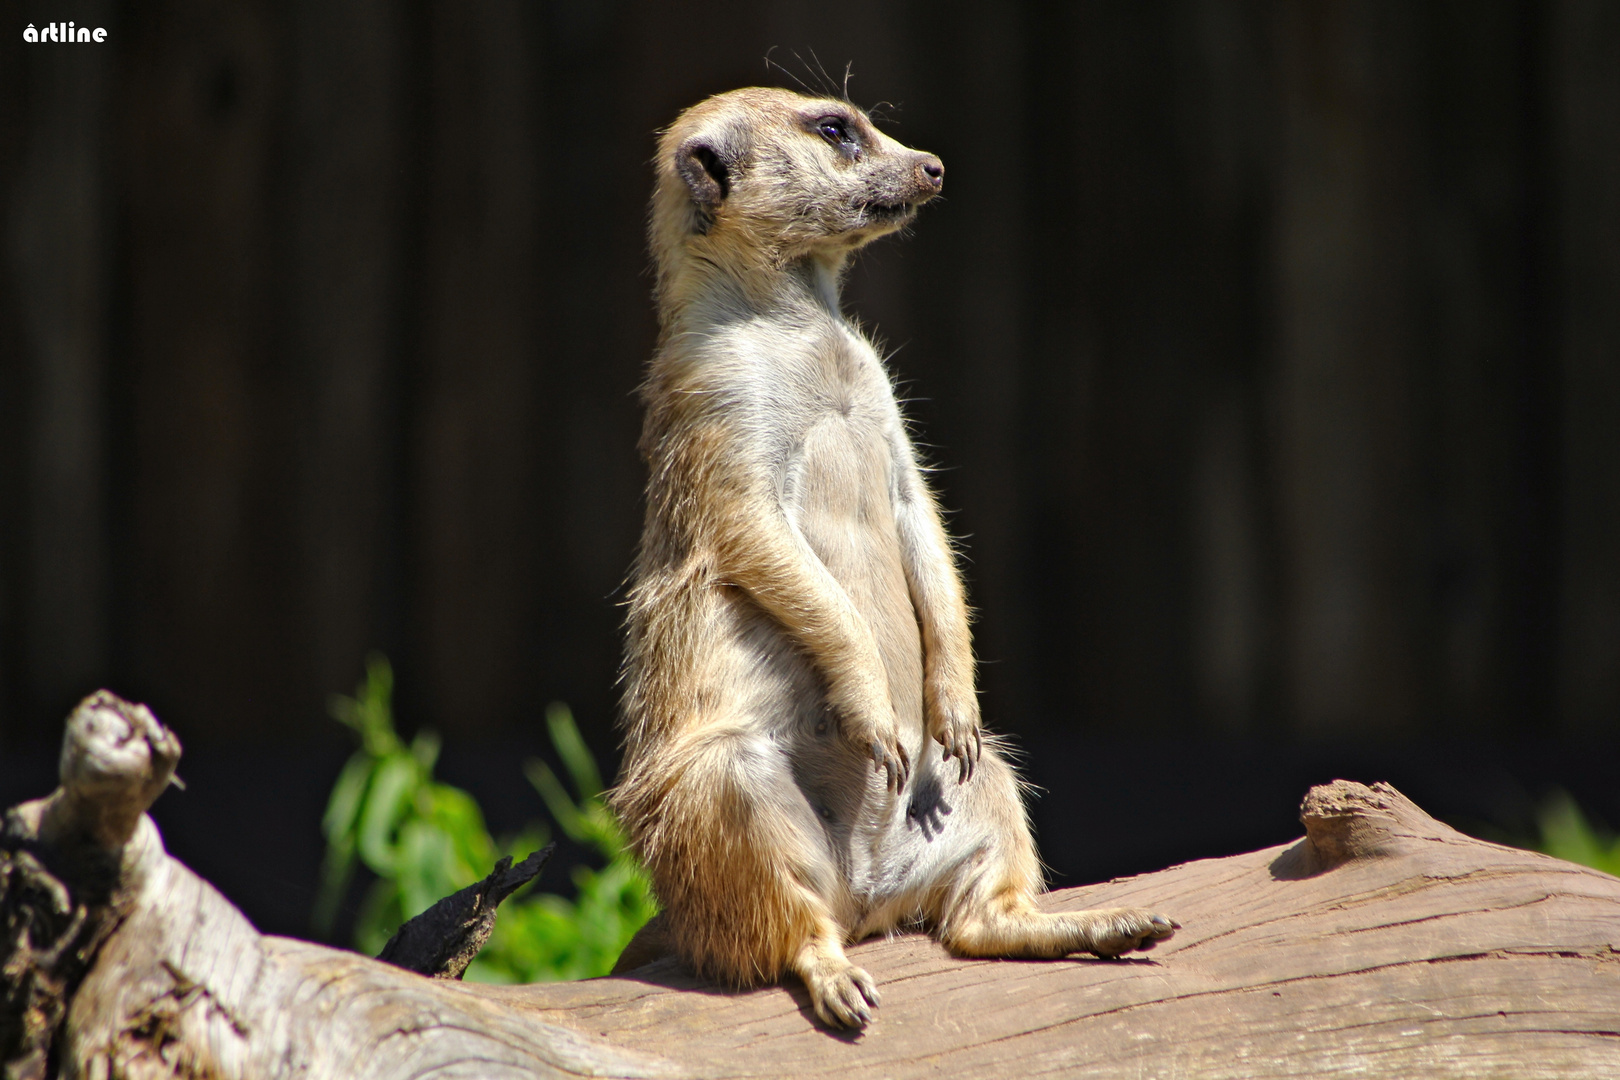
x=896 y=766
x=966 y=754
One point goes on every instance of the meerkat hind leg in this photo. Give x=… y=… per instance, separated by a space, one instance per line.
x=1011 y=926
x=746 y=876
x=990 y=911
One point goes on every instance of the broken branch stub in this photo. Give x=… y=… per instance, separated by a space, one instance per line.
x=64 y=887
x=444 y=939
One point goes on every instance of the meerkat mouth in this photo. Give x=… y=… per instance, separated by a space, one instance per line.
x=888 y=212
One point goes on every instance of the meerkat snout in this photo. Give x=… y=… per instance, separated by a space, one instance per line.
x=926 y=179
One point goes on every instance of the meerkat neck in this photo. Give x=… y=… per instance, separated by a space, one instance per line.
x=825 y=280
x=705 y=291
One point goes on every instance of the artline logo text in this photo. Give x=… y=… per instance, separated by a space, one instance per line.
x=64 y=32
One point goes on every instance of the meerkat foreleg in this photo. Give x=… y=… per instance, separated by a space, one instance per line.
x=950 y=705
x=775 y=565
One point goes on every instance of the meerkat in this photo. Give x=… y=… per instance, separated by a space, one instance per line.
x=804 y=765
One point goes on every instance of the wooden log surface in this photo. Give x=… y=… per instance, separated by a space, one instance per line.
x=1383 y=943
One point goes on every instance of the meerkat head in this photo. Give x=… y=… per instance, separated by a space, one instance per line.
x=767 y=176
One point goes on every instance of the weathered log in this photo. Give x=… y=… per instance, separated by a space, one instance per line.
x=1383 y=943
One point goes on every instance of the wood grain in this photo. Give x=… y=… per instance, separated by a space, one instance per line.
x=1442 y=955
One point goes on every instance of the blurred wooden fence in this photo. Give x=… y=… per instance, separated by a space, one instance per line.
x=1271 y=352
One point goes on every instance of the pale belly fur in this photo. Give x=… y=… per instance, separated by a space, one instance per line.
x=844 y=511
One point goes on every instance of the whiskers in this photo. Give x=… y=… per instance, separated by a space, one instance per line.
x=814 y=69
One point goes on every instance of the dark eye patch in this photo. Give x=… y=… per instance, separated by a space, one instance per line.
x=836 y=130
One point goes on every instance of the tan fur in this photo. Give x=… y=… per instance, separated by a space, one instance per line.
x=798 y=633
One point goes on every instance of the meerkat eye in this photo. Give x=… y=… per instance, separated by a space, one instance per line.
x=836 y=131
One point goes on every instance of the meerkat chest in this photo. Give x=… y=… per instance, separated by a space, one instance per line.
x=839 y=467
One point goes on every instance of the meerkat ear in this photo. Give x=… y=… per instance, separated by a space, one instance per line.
x=703 y=166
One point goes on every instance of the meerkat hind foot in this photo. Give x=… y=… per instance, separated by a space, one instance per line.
x=1122 y=930
x=842 y=994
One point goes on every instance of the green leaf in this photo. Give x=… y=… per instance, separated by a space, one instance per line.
x=428 y=867
x=336 y=870
x=1566 y=834
x=392 y=788
x=571 y=748
x=338 y=825
x=380 y=915
x=563 y=810
x=456 y=814
x=370 y=712
x=424 y=840
x=425 y=749
x=343 y=807
x=375 y=701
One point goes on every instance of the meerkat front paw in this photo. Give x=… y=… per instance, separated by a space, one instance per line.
x=891 y=757
x=953 y=722
x=882 y=741
x=1122 y=930
x=880 y=738
x=843 y=996
x=866 y=720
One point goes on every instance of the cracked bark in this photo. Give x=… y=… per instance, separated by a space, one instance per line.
x=1382 y=943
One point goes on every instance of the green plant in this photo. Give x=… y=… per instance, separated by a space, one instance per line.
x=424 y=840
x=1567 y=834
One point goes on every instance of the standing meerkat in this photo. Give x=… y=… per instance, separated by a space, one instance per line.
x=797 y=634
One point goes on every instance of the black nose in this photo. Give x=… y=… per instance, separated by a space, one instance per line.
x=933 y=169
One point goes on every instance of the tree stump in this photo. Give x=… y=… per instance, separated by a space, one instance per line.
x=1383 y=943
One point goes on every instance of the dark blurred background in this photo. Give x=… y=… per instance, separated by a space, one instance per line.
x=1270 y=352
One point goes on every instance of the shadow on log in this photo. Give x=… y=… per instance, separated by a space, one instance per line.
x=1382 y=943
